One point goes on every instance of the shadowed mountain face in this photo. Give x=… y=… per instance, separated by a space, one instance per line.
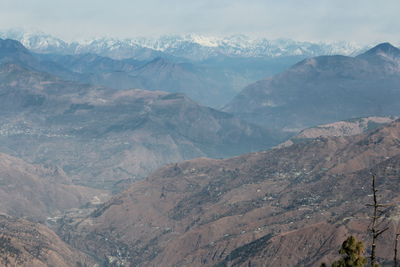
x=24 y=243
x=11 y=50
x=325 y=89
x=100 y=136
x=293 y=206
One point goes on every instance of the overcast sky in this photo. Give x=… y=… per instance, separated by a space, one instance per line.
x=363 y=21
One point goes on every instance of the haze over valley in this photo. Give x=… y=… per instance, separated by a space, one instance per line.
x=160 y=141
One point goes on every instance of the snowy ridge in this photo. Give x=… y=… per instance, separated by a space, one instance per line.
x=240 y=45
x=36 y=41
x=191 y=46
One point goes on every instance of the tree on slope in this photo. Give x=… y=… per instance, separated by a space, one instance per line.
x=352 y=251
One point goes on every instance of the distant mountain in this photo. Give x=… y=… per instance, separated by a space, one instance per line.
x=193 y=47
x=201 y=82
x=91 y=63
x=293 y=206
x=101 y=136
x=384 y=55
x=325 y=89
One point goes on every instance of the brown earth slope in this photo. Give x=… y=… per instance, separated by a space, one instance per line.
x=290 y=206
x=37 y=192
x=340 y=128
x=28 y=244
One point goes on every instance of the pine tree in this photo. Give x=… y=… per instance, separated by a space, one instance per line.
x=352 y=251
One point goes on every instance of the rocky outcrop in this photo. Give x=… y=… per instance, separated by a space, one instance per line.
x=340 y=128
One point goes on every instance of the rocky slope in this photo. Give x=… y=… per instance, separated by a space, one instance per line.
x=24 y=243
x=36 y=192
x=325 y=89
x=340 y=128
x=290 y=206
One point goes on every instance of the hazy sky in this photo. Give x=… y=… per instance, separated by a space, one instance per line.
x=353 y=20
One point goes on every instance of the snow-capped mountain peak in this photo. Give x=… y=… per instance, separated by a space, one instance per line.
x=190 y=46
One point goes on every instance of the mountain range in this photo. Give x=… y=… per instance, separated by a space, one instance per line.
x=192 y=46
